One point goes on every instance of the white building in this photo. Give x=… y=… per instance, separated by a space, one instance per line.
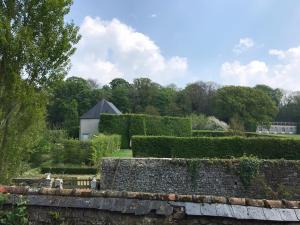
x=278 y=128
x=89 y=121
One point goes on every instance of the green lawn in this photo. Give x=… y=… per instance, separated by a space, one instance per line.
x=294 y=136
x=123 y=153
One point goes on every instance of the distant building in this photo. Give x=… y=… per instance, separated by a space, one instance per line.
x=89 y=121
x=278 y=128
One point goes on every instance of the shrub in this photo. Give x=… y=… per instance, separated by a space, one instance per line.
x=74 y=151
x=212 y=133
x=69 y=170
x=104 y=145
x=215 y=147
x=49 y=138
x=115 y=124
x=128 y=125
x=17 y=214
x=201 y=122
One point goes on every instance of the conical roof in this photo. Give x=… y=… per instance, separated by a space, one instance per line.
x=102 y=106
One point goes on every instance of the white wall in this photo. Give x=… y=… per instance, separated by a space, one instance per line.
x=88 y=127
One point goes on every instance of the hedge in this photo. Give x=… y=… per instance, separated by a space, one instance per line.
x=215 y=147
x=128 y=125
x=104 y=145
x=214 y=133
x=72 y=151
x=69 y=170
x=85 y=152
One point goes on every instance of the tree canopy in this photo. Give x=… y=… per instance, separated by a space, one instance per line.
x=35 y=46
x=250 y=105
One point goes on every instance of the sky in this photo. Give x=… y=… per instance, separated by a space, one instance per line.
x=230 y=42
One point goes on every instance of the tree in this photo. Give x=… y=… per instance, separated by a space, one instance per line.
x=35 y=47
x=290 y=111
x=143 y=93
x=197 y=97
x=120 y=89
x=275 y=94
x=71 y=99
x=250 y=105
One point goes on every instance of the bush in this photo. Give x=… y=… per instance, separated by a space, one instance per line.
x=128 y=125
x=104 y=145
x=49 y=138
x=115 y=124
x=74 y=151
x=211 y=133
x=201 y=122
x=69 y=170
x=215 y=147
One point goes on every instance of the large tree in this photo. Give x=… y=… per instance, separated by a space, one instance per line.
x=70 y=99
x=249 y=105
x=290 y=111
x=35 y=46
x=120 y=90
x=275 y=94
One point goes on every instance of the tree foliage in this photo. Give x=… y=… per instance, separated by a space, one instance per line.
x=250 y=106
x=35 y=46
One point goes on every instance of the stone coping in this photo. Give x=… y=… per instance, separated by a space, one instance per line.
x=84 y=193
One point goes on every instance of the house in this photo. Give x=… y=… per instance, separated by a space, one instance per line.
x=89 y=121
x=278 y=128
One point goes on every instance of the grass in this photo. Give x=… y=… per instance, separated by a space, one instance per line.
x=123 y=153
x=293 y=136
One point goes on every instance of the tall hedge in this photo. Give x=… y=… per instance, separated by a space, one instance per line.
x=215 y=147
x=74 y=151
x=214 y=133
x=104 y=145
x=115 y=124
x=128 y=125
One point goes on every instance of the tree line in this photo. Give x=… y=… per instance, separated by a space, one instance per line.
x=243 y=107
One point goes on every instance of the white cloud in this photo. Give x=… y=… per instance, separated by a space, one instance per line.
x=243 y=45
x=110 y=49
x=153 y=15
x=285 y=73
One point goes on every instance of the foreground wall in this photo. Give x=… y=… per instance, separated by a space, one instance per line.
x=274 y=179
x=83 y=207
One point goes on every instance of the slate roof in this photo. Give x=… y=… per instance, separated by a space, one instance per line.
x=102 y=106
x=141 y=203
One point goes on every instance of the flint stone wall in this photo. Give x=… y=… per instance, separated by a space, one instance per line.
x=275 y=180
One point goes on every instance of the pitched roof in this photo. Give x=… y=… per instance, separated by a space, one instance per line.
x=102 y=106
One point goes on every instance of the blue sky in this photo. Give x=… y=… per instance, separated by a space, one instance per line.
x=175 y=41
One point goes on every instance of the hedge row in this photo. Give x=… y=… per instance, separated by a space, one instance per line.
x=128 y=125
x=85 y=152
x=69 y=170
x=104 y=145
x=213 y=133
x=215 y=147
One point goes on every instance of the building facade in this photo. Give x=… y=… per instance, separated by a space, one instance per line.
x=278 y=128
x=89 y=121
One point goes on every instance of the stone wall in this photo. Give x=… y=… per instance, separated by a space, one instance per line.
x=275 y=179
x=85 y=207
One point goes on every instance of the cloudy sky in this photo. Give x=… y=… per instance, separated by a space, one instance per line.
x=180 y=41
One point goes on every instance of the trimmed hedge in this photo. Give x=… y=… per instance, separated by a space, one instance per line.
x=115 y=124
x=213 y=133
x=215 y=147
x=69 y=170
x=74 y=151
x=104 y=145
x=128 y=125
